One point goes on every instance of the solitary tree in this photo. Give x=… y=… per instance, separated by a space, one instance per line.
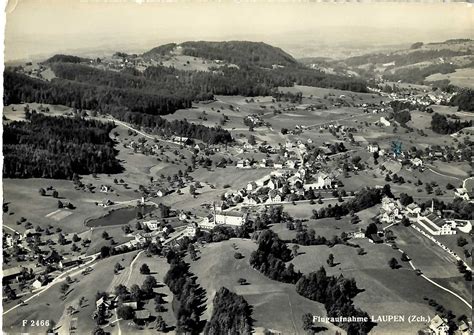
x=330 y=260
x=393 y=263
x=144 y=269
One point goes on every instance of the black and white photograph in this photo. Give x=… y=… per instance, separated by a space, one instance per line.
x=237 y=167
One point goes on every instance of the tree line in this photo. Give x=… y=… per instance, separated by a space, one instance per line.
x=57 y=147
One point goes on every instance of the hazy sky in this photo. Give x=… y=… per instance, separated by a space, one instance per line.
x=43 y=27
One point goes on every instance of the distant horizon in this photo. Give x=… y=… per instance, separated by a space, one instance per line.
x=36 y=30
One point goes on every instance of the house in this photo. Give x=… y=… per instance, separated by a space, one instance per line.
x=199 y=146
x=191 y=229
x=152 y=224
x=142 y=316
x=323 y=181
x=289 y=144
x=105 y=188
x=103 y=302
x=40 y=282
x=413 y=210
x=240 y=164
x=290 y=164
x=273 y=196
x=8 y=240
x=231 y=218
x=274 y=183
x=182 y=216
x=436 y=225
x=250 y=201
x=357 y=234
x=438 y=326
x=11 y=273
x=161 y=192
x=182 y=140
x=277 y=165
x=391 y=210
x=293 y=180
x=252 y=186
x=132 y=304
x=52 y=257
x=416 y=162
x=375 y=238
x=374 y=147
x=384 y=122
x=466 y=191
x=30 y=233
x=205 y=223
x=65 y=263
x=106 y=203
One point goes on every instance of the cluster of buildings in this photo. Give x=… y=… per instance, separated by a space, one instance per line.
x=392 y=211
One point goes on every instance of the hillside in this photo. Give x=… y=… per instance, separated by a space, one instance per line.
x=233 y=52
x=143 y=84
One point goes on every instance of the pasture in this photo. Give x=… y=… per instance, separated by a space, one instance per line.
x=276 y=305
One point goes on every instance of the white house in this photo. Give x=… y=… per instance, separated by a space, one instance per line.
x=206 y=223
x=323 y=181
x=152 y=224
x=250 y=201
x=374 y=147
x=413 y=210
x=438 y=326
x=252 y=186
x=383 y=121
x=416 y=162
x=390 y=211
x=230 y=218
x=277 y=165
x=191 y=230
x=273 y=197
x=466 y=191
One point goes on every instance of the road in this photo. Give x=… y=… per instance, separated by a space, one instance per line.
x=442 y=174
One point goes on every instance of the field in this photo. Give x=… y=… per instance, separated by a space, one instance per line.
x=276 y=305
x=460 y=77
x=386 y=291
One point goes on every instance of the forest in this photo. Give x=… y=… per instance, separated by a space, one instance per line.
x=271 y=256
x=231 y=314
x=441 y=125
x=464 y=99
x=188 y=297
x=57 y=147
x=336 y=294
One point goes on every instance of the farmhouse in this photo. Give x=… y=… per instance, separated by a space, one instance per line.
x=413 y=210
x=191 y=229
x=390 y=211
x=374 y=147
x=141 y=316
x=11 y=273
x=416 y=162
x=252 y=186
x=152 y=224
x=384 y=122
x=205 y=223
x=273 y=197
x=65 y=263
x=39 y=282
x=231 y=218
x=438 y=326
x=162 y=192
x=466 y=191
x=323 y=181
